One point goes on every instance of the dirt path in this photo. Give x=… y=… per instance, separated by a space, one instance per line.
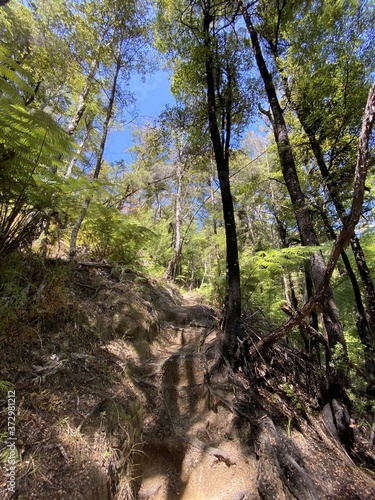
x=192 y=449
x=114 y=404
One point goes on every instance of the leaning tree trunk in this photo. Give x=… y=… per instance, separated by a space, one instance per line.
x=330 y=316
x=232 y=320
x=367 y=322
x=77 y=226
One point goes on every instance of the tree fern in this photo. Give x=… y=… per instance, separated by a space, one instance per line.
x=31 y=145
x=264 y=272
x=274 y=262
x=15 y=81
x=112 y=235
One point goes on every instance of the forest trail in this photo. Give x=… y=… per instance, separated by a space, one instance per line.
x=115 y=403
x=192 y=449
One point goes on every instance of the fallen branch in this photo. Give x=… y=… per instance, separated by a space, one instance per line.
x=308 y=328
x=343 y=239
x=98 y=265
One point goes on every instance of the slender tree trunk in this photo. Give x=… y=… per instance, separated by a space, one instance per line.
x=367 y=282
x=171 y=271
x=81 y=147
x=212 y=200
x=192 y=274
x=82 y=99
x=77 y=226
x=334 y=193
x=214 y=222
x=232 y=322
x=330 y=315
x=250 y=231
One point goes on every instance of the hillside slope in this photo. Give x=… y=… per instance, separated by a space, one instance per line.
x=119 y=394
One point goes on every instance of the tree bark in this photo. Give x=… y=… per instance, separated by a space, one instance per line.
x=171 y=271
x=330 y=316
x=111 y=103
x=232 y=322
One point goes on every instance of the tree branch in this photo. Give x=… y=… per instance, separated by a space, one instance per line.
x=342 y=241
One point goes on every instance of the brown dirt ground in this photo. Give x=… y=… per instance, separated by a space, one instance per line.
x=113 y=401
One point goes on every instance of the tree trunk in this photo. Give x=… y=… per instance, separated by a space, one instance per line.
x=77 y=226
x=367 y=283
x=330 y=316
x=171 y=271
x=192 y=274
x=232 y=320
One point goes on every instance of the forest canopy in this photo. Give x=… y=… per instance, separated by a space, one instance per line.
x=256 y=186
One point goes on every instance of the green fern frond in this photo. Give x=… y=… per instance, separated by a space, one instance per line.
x=32 y=149
x=7 y=90
x=10 y=75
x=276 y=261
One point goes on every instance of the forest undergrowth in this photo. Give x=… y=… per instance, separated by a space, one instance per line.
x=88 y=351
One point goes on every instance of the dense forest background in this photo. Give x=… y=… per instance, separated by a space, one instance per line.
x=240 y=189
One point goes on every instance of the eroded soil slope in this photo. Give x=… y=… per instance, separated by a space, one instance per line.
x=120 y=395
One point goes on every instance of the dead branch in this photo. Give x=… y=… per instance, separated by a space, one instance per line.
x=342 y=241
x=98 y=265
x=308 y=328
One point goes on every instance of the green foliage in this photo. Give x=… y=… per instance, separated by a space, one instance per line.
x=329 y=67
x=368 y=246
x=262 y=276
x=274 y=262
x=187 y=52
x=5 y=455
x=363 y=403
x=110 y=235
x=339 y=358
x=5 y=385
x=31 y=147
x=291 y=394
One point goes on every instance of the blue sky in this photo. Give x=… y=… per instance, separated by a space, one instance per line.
x=151 y=95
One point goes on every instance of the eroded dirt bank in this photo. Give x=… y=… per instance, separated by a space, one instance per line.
x=117 y=398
